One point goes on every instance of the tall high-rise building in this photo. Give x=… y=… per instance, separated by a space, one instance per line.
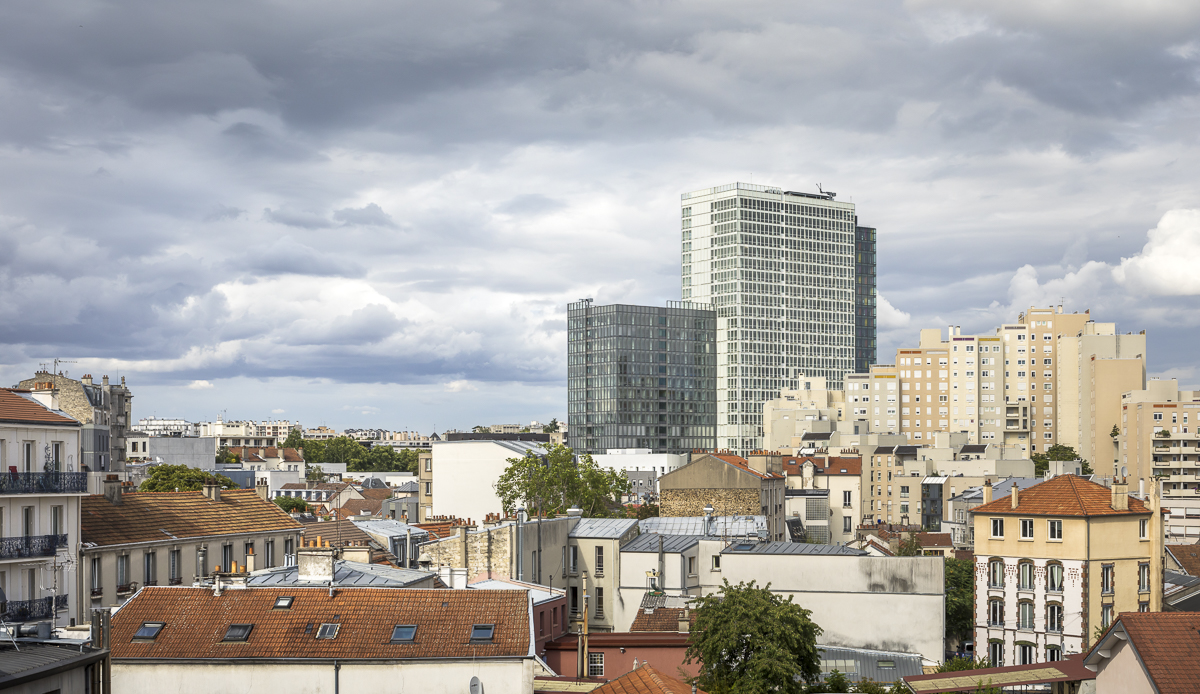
x=641 y=377
x=779 y=268
x=864 y=299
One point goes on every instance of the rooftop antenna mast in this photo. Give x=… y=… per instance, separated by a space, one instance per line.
x=827 y=193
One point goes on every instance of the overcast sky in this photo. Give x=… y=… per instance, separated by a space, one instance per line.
x=372 y=214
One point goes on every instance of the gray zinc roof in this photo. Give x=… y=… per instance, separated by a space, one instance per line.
x=719 y=526
x=539 y=594
x=648 y=542
x=790 y=548
x=859 y=664
x=345 y=573
x=610 y=528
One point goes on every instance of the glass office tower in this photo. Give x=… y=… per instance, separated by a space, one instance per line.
x=641 y=377
x=864 y=299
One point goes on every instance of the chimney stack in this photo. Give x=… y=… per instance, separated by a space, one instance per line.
x=86 y=380
x=262 y=489
x=212 y=489
x=1016 y=495
x=987 y=492
x=112 y=489
x=250 y=561
x=104 y=380
x=1120 y=495
x=685 y=624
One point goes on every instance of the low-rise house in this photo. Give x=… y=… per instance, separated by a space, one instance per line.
x=135 y=539
x=521 y=549
x=549 y=608
x=1183 y=558
x=591 y=567
x=611 y=655
x=39 y=507
x=1148 y=653
x=730 y=485
x=270 y=458
x=322 y=640
x=322 y=497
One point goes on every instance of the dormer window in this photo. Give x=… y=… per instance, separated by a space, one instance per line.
x=483 y=632
x=238 y=632
x=328 y=631
x=148 y=631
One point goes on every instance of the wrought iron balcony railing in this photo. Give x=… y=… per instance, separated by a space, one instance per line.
x=31 y=546
x=30 y=610
x=14 y=482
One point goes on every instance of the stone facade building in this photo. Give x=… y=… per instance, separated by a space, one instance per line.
x=732 y=485
x=103 y=410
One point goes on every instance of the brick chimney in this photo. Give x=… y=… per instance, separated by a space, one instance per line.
x=112 y=489
x=987 y=492
x=685 y=624
x=86 y=380
x=1016 y=495
x=1120 y=495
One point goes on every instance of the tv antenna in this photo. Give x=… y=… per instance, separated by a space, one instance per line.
x=827 y=193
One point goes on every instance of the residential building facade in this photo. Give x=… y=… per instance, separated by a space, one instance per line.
x=591 y=567
x=641 y=377
x=779 y=268
x=1057 y=562
x=39 y=508
x=103 y=411
x=727 y=484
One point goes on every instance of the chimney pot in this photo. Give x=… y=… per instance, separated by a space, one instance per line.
x=987 y=492
x=1016 y=491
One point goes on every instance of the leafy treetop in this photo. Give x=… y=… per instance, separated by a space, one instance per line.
x=181 y=478
x=556 y=480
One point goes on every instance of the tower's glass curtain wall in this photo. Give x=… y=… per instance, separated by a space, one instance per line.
x=641 y=377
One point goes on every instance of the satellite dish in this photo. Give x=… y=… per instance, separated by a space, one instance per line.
x=476 y=686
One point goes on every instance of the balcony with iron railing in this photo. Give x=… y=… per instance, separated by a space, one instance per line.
x=40 y=608
x=14 y=482
x=31 y=546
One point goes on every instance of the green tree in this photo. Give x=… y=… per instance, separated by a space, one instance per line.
x=1115 y=432
x=551 y=427
x=749 y=640
x=1041 y=461
x=837 y=682
x=290 y=504
x=556 y=480
x=384 y=458
x=480 y=429
x=313 y=473
x=343 y=449
x=960 y=664
x=641 y=512
x=960 y=599
x=910 y=547
x=181 y=478
x=314 y=451
x=294 y=440
x=224 y=457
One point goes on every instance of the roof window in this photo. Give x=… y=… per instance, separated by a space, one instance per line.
x=149 y=631
x=284 y=602
x=483 y=632
x=885 y=663
x=744 y=547
x=238 y=632
x=405 y=633
x=328 y=631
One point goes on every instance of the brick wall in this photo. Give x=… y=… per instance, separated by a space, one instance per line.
x=726 y=502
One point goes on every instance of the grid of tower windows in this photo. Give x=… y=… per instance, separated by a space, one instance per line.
x=641 y=377
x=864 y=299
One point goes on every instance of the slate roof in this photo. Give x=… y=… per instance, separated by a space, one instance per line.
x=196 y=623
x=407 y=488
x=538 y=593
x=720 y=526
x=603 y=528
x=150 y=516
x=790 y=548
x=1065 y=495
x=1188 y=557
x=19 y=407
x=37 y=660
x=974 y=448
x=865 y=663
x=644 y=680
x=345 y=573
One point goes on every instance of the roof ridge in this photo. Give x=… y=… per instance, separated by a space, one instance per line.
x=1075 y=490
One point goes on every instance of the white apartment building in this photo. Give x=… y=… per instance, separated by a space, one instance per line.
x=39 y=507
x=236 y=434
x=779 y=269
x=873 y=397
x=155 y=426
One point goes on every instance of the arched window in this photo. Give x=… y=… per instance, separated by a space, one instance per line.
x=996 y=573
x=1025 y=575
x=1054 y=577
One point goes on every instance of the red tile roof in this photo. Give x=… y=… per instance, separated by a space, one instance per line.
x=358 y=507
x=1167 y=645
x=934 y=540
x=644 y=680
x=150 y=516
x=20 y=409
x=1188 y=557
x=196 y=622
x=661 y=619
x=1065 y=495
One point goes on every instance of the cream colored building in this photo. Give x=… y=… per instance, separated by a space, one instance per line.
x=1095 y=367
x=1056 y=563
x=951 y=385
x=1043 y=327
x=874 y=397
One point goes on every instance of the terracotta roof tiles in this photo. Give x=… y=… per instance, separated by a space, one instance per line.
x=149 y=516
x=1168 y=648
x=15 y=407
x=1188 y=557
x=196 y=623
x=1065 y=495
x=644 y=680
x=661 y=619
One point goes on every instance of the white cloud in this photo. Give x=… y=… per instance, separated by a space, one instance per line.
x=459 y=386
x=889 y=316
x=1167 y=264
x=278 y=411
x=199 y=385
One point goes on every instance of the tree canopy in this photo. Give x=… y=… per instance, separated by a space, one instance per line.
x=1041 y=461
x=358 y=457
x=551 y=427
x=554 y=481
x=960 y=598
x=170 y=478
x=294 y=440
x=290 y=503
x=909 y=547
x=750 y=641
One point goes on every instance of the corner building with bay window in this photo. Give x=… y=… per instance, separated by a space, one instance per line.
x=781 y=271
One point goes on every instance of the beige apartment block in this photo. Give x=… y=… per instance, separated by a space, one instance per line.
x=874 y=397
x=1158 y=435
x=1095 y=367
x=951 y=385
x=1044 y=327
x=796 y=411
